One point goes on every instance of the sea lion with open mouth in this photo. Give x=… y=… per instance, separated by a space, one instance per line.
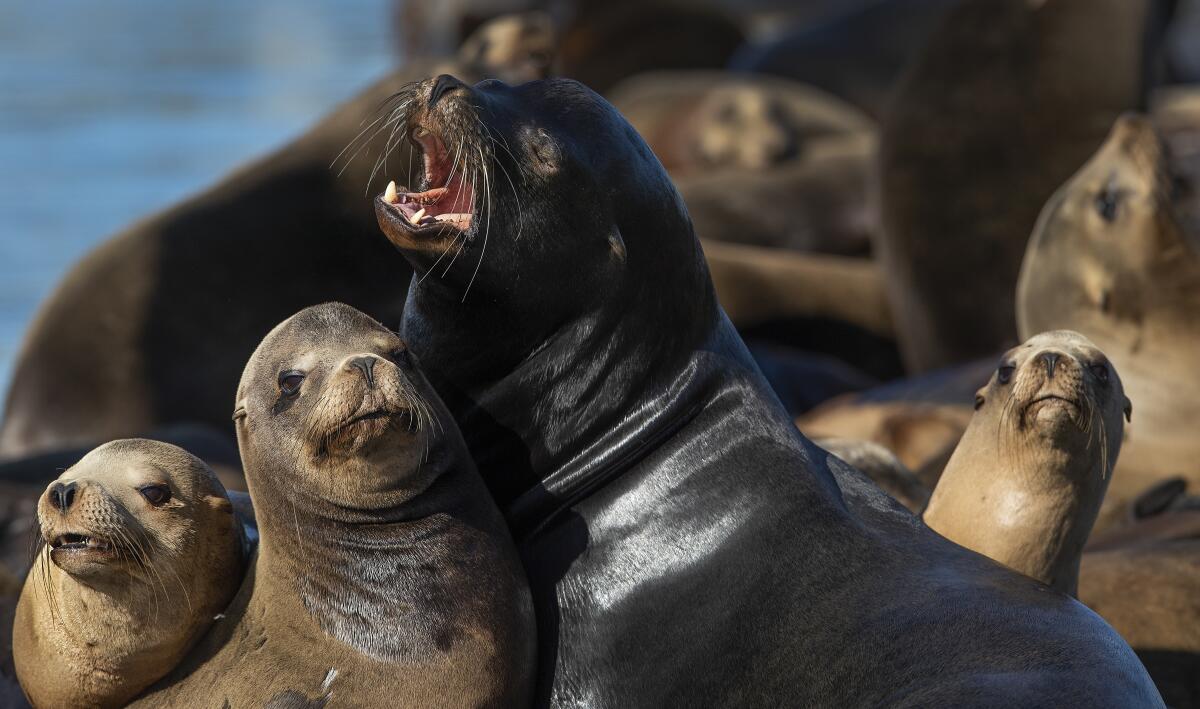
x=384 y=574
x=669 y=513
x=143 y=551
x=1025 y=483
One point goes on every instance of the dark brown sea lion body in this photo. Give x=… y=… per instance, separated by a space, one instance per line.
x=669 y=514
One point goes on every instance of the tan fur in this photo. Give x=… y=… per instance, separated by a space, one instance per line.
x=922 y=435
x=1025 y=484
x=93 y=633
x=697 y=121
x=338 y=500
x=755 y=284
x=1132 y=285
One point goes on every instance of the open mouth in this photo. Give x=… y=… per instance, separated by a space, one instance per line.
x=446 y=203
x=70 y=543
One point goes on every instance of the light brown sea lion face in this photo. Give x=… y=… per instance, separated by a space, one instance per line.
x=1108 y=256
x=1057 y=392
x=142 y=551
x=331 y=397
x=132 y=508
x=742 y=126
x=1025 y=484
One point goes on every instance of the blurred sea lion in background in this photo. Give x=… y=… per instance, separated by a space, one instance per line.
x=856 y=54
x=698 y=121
x=1111 y=258
x=999 y=108
x=152 y=328
x=605 y=41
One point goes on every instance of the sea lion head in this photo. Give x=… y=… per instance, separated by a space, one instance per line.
x=743 y=126
x=142 y=552
x=333 y=407
x=139 y=509
x=1056 y=392
x=514 y=48
x=545 y=183
x=1108 y=256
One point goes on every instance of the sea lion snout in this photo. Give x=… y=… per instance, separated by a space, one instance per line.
x=366 y=365
x=443 y=85
x=1050 y=359
x=61 y=496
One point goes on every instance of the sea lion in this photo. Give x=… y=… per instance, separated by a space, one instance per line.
x=384 y=574
x=999 y=82
x=819 y=203
x=1148 y=594
x=1025 y=483
x=698 y=121
x=142 y=551
x=606 y=41
x=856 y=54
x=153 y=327
x=1110 y=258
x=669 y=514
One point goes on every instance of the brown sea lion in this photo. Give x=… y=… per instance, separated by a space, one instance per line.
x=1025 y=483
x=1000 y=107
x=153 y=327
x=142 y=551
x=698 y=121
x=1111 y=259
x=818 y=203
x=1151 y=596
x=384 y=574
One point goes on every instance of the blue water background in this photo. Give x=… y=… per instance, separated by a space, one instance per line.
x=113 y=109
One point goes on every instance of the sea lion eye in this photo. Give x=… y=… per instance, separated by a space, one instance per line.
x=1004 y=374
x=290 y=381
x=155 y=494
x=400 y=356
x=1107 y=203
x=1101 y=372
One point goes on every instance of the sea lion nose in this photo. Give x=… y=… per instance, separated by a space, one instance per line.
x=61 y=496
x=1050 y=359
x=444 y=85
x=366 y=365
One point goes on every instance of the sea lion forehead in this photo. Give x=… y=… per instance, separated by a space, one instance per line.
x=139 y=461
x=1070 y=341
x=317 y=328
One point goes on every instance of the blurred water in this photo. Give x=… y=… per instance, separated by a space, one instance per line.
x=111 y=110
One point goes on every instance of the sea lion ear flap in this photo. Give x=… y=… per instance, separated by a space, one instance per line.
x=617 y=244
x=1128 y=410
x=239 y=412
x=980 y=399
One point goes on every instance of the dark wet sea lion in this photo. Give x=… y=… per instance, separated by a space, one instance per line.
x=643 y=463
x=384 y=574
x=1026 y=481
x=995 y=113
x=153 y=327
x=1112 y=258
x=142 y=550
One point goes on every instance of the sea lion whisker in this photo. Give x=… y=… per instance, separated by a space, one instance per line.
x=487 y=229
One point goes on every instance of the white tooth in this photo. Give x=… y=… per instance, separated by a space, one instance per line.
x=389 y=195
x=417 y=216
